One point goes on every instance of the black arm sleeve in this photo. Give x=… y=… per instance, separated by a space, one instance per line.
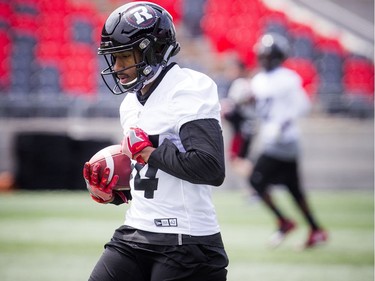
x=118 y=200
x=203 y=161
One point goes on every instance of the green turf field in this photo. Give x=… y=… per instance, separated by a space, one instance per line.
x=56 y=236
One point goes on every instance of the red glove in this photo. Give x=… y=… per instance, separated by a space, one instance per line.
x=100 y=190
x=135 y=141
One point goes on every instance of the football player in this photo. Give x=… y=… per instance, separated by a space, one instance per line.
x=172 y=132
x=280 y=100
x=238 y=111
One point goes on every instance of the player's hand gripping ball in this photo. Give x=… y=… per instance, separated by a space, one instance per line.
x=108 y=171
x=134 y=142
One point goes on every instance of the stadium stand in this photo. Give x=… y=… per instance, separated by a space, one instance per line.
x=48 y=48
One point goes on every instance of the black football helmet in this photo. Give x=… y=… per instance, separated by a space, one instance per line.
x=142 y=26
x=272 y=50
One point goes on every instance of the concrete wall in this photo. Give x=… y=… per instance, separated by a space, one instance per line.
x=338 y=153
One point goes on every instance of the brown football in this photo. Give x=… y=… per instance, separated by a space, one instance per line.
x=118 y=163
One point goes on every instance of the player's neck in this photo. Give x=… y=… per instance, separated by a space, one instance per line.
x=145 y=89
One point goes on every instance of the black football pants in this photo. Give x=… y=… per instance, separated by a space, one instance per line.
x=269 y=170
x=141 y=262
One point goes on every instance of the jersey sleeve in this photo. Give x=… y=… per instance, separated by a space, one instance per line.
x=286 y=93
x=203 y=160
x=299 y=103
x=195 y=98
x=239 y=91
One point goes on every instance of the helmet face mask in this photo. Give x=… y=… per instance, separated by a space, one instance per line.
x=111 y=79
x=272 y=50
x=145 y=29
x=111 y=76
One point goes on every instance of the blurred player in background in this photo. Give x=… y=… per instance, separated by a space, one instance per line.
x=238 y=110
x=280 y=100
x=171 y=122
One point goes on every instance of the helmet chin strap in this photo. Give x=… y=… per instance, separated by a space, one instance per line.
x=162 y=65
x=157 y=73
x=152 y=79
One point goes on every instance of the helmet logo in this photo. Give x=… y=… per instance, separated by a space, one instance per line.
x=141 y=17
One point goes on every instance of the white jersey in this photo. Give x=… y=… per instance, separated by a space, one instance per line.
x=239 y=93
x=171 y=205
x=280 y=100
x=239 y=90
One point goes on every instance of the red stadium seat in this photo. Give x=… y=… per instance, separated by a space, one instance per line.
x=62 y=6
x=306 y=69
x=6 y=14
x=53 y=27
x=5 y=64
x=49 y=50
x=330 y=45
x=359 y=76
x=78 y=67
x=24 y=23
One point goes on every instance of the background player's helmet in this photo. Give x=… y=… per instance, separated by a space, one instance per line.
x=272 y=50
x=142 y=26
